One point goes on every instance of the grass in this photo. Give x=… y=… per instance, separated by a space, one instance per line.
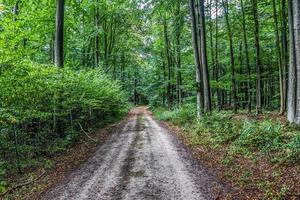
x=251 y=148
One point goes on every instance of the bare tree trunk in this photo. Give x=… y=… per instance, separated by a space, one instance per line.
x=247 y=58
x=203 y=49
x=96 y=18
x=178 y=51
x=200 y=103
x=59 y=33
x=292 y=89
x=280 y=71
x=169 y=62
x=258 y=61
x=232 y=60
x=219 y=92
x=284 y=51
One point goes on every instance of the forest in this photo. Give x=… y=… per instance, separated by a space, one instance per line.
x=224 y=71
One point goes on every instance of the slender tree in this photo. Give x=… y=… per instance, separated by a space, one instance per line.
x=284 y=51
x=203 y=50
x=258 y=60
x=200 y=103
x=59 y=33
x=232 y=59
x=245 y=39
x=178 y=50
x=279 y=57
x=96 y=21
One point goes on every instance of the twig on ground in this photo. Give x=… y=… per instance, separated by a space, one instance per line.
x=87 y=134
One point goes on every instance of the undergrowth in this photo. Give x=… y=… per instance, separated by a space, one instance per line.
x=242 y=145
x=279 y=142
x=43 y=110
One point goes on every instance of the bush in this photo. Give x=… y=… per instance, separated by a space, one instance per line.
x=293 y=149
x=179 y=116
x=263 y=136
x=41 y=108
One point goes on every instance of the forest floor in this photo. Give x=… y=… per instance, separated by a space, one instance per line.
x=253 y=175
x=139 y=160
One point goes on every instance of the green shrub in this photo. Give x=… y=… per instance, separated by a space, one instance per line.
x=293 y=149
x=2 y=182
x=247 y=137
x=264 y=136
x=41 y=108
x=180 y=116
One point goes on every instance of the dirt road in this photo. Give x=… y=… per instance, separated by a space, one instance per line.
x=142 y=161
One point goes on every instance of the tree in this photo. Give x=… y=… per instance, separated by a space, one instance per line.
x=294 y=76
x=199 y=83
x=258 y=59
x=97 y=19
x=232 y=61
x=203 y=54
x=279 y=55
x=245 y=39
x=59 y=33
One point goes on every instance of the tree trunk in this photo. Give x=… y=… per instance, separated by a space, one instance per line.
x=247 y=57
x=200 y=103
x=219 y=92
x=96 y=18
x=284 y=50
x=294 y=68
x=178 y=52
x=169 y=62
x=280 y=71
x=203 y=49
x=258 y=61
x=59 y=33
x=232 y=60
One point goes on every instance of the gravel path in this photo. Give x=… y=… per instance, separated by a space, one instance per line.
x=142 y=161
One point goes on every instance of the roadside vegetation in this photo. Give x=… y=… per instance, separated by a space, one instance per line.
x=45 y=110
x=258 y=154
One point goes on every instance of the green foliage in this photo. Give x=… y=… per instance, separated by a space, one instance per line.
x=2 y=182
x=181 y=115
x=247 y=137
x=42 y=107
x=293 y=149
x=264 y=135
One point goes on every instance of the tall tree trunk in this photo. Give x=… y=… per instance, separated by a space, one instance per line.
x=59 y=33
x=178 y=51
x=200 y=103
x=105 y=45
x=96 y=19
x=217 y=72
x=258 y=61
x=280 y=66
x=203 y=49
x=232 y=60
x=211 y=39
x=294 y=68
x=284 y=50
x=245 y=38
x=169 y=62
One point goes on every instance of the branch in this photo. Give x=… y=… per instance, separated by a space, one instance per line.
x=87 y=134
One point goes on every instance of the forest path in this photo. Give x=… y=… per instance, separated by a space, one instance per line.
x=142 y=161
